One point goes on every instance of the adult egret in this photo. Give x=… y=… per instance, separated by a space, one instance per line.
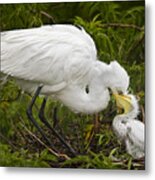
x=60 y=61
x=127 y=127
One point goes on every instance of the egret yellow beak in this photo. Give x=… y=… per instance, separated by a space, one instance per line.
x=123 y=102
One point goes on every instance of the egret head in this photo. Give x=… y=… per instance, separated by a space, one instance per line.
x=119 y=78
x=128 y=103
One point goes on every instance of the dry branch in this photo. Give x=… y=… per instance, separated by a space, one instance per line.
x=120 y=25
x=43 y=144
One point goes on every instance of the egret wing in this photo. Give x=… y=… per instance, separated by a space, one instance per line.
x=46 y=54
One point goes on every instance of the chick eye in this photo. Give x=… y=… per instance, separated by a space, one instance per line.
x=120 y=92
x=87 y=89
x=110 y=91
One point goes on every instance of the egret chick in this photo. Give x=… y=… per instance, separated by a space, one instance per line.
x=127 y=127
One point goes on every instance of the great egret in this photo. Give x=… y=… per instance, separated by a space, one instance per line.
x=60 y=61
x=127 y=127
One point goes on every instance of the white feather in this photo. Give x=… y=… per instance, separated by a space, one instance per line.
x=64 y=59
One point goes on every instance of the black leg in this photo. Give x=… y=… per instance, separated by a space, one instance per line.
x=43 y=119
x=31 y=118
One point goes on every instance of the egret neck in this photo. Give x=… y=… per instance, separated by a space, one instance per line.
x=93 y=97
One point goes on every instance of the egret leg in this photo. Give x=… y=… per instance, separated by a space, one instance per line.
x=31 y=118
x=43 y=119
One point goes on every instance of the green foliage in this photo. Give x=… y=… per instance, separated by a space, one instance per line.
x=118 y=31
x=92 y=161
x=23 y=158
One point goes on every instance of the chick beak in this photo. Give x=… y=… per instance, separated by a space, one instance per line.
x=123 y=102
x=119 y=110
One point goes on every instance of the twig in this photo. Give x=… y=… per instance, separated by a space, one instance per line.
x=2 y=136
x=43 y=144
x=90 y=139
x=106 y=121
x=96 y=123
x=143 y=114
x=48 y=16
x=135 y=45
x=119 y=25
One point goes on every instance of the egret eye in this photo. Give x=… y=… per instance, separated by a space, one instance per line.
x=87 y=89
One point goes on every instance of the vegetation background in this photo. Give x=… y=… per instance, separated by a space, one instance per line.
x=118 y=31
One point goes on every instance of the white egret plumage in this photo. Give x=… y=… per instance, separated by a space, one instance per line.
x=63 y=60
x=127 y=127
